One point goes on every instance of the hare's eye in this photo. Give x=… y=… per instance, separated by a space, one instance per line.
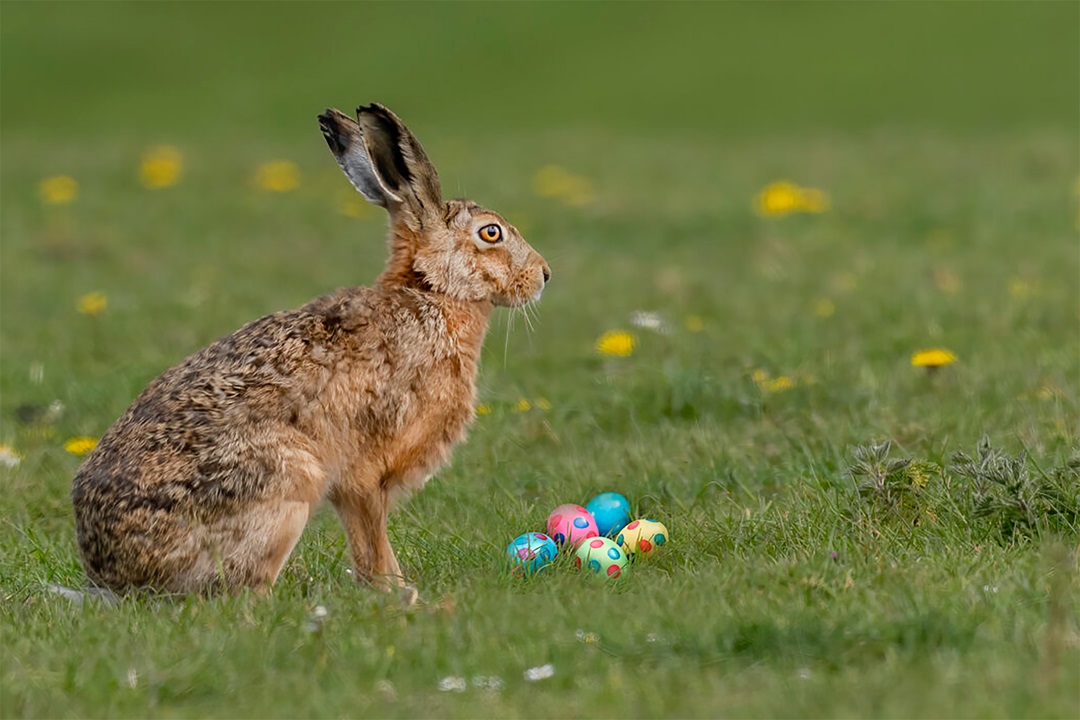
x=491 y=233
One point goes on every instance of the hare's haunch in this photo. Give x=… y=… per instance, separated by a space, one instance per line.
x=209 y=478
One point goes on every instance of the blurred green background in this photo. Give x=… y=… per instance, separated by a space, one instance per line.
x=944 y=137
x=231 y=70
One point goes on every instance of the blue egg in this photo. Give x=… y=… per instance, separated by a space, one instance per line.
x=530 y=552
x=611 y=512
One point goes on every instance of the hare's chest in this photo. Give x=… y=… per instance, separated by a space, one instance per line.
x=426 y=438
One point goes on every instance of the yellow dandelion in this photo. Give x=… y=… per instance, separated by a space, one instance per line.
x=1047 y=393
x=543 y=403
x=92 y=304
x=695 y=323
x=522 y=405
x=80 y=445
x=483 y=409
x=278 y=176
x=769 y=384
x=557 y=182
x=784 y=197
x=58 y=190
x=9 y=457
x=824 y=308
x=933 y=358
x=616 y=342
x=781 y=383
x=778 y=198
x=1020 y=289
x=161 y=167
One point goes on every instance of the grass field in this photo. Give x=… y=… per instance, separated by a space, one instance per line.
x=806 y=575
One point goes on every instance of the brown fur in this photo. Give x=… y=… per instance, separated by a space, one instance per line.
x=209 y=478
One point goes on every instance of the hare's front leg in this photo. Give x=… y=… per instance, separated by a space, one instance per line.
x=364 y=513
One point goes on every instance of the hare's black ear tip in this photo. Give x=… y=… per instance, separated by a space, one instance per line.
x=373 y=109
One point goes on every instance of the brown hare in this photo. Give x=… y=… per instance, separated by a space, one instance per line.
x=209 y=478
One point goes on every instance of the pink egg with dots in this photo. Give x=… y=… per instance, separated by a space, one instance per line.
x=570 y=524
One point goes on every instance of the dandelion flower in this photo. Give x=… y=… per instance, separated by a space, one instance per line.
x=9 y=457
x=92 y=304
x=522 y=405
x=1020 y=289
x=483 y=409
x=80 y=445
x=784 y=197
x=824 y=308
x=769 y=384
x=161 y=167
x=589 y=638
x=932 y=358
x=618 y=343
x=778 y=198
x=695 y=323
x=543 y=403
x=58 y=190
x=278 y=176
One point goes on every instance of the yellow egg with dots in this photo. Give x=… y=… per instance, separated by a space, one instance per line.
x=642 y=538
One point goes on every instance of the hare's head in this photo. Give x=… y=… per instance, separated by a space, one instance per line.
x=452 y=247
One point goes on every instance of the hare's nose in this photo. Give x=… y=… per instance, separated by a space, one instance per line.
x=547 y=274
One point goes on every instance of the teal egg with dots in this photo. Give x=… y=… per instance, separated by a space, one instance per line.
x=600 y=556
x=531 y=552
x=611 y=511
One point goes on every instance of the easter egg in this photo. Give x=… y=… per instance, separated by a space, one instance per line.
x=642 y=538
x=611 y=512
x=530 y=552
x=570 y=524
x=601 y=556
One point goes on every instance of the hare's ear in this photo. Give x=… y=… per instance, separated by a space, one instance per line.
x=399 y=161
x=346 y=141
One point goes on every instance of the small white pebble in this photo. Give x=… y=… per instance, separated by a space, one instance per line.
x=386 y=690
x=543 y=672
x=320 y=611
x=648 y=320
x=652 y=638
x=803 y=674
x=452 y=683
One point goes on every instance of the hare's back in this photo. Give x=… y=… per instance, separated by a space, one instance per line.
x=206 y=432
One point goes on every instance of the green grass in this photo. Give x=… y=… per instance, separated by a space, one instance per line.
x=945 y=136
